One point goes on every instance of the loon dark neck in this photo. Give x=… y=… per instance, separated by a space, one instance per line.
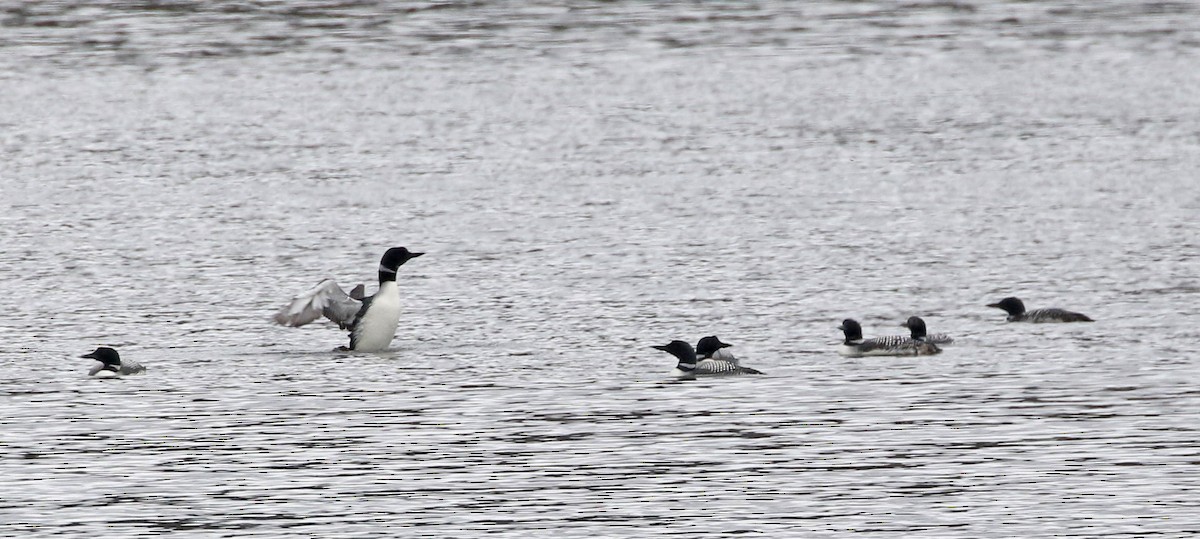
x=853 y=335
x=386 y=274
x=852 y=330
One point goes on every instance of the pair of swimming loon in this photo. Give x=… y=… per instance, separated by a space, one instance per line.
x=918 y=343
x=710 y=357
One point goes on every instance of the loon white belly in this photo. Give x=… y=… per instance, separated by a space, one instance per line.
x=375 y=330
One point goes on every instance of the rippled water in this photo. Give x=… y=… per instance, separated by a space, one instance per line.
x=590 y=179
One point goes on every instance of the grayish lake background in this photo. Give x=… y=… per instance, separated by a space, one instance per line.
x=589 y=179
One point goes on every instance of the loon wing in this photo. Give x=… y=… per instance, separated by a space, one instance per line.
x=891 y=345
x=358 y=314
x=129 y=366
x=939 y=338
x=328 y=299
x=718 y=366
x=1056 y=315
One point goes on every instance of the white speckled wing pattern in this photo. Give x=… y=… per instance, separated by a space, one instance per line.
x=716 y=366
x=1039 y=316
x=891 y=341
x=939 y=338
x=131 y=367
x=892 y=345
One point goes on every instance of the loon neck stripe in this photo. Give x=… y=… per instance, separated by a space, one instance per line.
x=385 y=269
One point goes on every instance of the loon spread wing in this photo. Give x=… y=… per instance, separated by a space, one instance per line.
x=328 y=299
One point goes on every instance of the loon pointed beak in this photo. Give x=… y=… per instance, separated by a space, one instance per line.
x=841 y=328
x=414 y=255
x=996 y=305
x=662 y=347
x=89 y=355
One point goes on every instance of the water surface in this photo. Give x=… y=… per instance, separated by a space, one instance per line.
x=590 y=179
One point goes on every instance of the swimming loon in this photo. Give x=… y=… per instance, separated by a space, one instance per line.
x=917 y=328
x=110 y=364
x=371 y=320
x=1017 y=313
x=892 y=345
x=712 y=348
x=689 y=365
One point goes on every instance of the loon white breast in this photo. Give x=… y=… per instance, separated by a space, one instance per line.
x=371 y=320
x=1017 y=313
x=689 y=365
x=110 y=365
x=893 y=345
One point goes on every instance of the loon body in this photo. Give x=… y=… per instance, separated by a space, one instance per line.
x=371 y=320
x=1017 y=313
x=892 y=345
x=689 y=365
x=110 y=364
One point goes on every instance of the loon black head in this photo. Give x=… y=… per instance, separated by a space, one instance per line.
x=105 y=355
x=917 y=326
x=709 y=346
x=852 y=330
x=683 y=352
x=1012 y=306
x=392 y=260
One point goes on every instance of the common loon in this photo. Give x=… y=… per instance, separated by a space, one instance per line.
x=917 y=328
x=712 y=348
x=892 y=345
x=110 y=364
x=1017 y=313
x=689 y=365
x=371 y=320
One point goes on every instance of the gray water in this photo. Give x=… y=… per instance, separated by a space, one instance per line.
x=589 y=179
